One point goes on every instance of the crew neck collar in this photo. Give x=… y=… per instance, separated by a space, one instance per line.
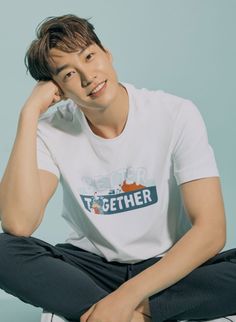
x=96 y=137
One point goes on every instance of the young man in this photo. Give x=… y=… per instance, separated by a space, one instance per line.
x=141 y=193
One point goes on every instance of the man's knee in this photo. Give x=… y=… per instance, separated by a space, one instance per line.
x=8 y=251
x=12 y=254
x=6 y=239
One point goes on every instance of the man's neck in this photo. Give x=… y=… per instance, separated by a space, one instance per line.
x=111 y=122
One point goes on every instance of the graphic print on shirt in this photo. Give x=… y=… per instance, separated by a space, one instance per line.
x=120 y=191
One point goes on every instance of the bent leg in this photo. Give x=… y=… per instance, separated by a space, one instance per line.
x=208 y=292
x=38 y=274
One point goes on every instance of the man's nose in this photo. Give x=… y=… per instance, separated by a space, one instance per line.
x=86 y=82
x=87 y=79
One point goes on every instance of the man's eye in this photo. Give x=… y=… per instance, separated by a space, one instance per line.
x=89 y=56
x=69 y=75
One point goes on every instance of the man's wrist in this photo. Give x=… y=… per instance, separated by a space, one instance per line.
x=131 y=290
x=29 y=109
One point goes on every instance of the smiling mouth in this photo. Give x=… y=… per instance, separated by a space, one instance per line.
x=98 y=90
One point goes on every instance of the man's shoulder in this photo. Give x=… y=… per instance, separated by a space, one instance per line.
x=163 y=95
x=158 y=99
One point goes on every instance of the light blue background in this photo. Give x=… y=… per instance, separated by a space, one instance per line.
x=185 y=47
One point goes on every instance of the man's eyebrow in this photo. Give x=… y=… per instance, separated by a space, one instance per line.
x=61 y=68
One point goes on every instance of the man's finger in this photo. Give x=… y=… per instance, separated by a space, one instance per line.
x=86 y=315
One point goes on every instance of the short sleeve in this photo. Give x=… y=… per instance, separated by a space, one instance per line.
x=44 y=158
x=193 y=157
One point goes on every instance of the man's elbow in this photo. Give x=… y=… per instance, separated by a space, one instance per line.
x=213 y=238
x=16 y=231
x=222 y=243
x=22 y=225
x=17 y=227
x=218 y=241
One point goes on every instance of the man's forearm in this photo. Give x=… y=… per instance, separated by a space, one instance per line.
x=192 y=250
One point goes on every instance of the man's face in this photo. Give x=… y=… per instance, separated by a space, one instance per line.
x=86 y=76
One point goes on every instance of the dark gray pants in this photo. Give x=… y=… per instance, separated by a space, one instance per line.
x=66 y=280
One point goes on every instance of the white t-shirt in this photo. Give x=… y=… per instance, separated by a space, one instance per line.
x=121 y=195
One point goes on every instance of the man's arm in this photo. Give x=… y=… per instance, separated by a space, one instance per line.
x=25 y=190
x=204 y=205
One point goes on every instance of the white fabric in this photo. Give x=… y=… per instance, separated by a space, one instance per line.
x=49 y=317
x=121 y=195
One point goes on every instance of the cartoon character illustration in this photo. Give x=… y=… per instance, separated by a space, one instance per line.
x=115 y=191
x=126 y=187
x=97 y=203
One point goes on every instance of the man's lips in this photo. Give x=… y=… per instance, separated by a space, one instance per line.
x=97 y=88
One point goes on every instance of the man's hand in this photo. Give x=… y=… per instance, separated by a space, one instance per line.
x=116 y=307
x=43 y=95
